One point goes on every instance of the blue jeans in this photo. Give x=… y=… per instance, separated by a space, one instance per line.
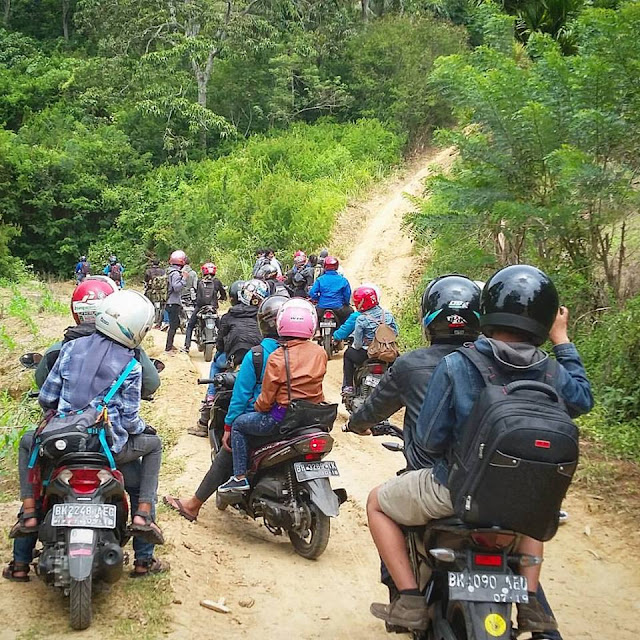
x=248 y=424
x=218 y=365
x=23 y=547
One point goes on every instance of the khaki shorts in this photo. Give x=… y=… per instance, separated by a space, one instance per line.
x=414 y=498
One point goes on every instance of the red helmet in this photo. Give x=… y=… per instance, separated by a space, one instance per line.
x=331 y=263
x=208 y=269
x=88 y=295
x=178 y=258
x=365 y=298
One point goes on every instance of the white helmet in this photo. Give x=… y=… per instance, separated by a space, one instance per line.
x=125 y=316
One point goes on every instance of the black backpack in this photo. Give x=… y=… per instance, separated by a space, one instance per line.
x=516 y=454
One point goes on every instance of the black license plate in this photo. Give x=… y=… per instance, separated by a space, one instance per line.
x=312 y=470
x=487 y=587
x=92 y=516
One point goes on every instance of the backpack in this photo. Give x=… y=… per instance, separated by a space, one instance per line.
x=115 y=273
x=208 y=294
x=384 y=345
x=157 y=288
x=85 y=269
x=516 y=454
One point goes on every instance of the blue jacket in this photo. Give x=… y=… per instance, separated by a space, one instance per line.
x=347 y=327
x=456 y=384
x=367 y=324
x=331 y=291
x=247 y=388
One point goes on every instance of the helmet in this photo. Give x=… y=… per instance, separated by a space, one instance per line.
x=267 y=272
x=234 y=290
x=178 y=258
x=365 y=298
x=253 y=292
x=480 y=284
x=323 y=253
x=375 y=287
x=520 y=297
x=331 y=263
x=300 y=259
x=450 y=308
x=297 y=318
x=83 y=258
x=87 y=296
x=125 y=317
x=267 y=314
x=208 y=269
x=113 y=259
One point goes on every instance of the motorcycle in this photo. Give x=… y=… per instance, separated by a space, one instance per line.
x=206 y=331
x=290 y=480
x=327 y=325
x=468 y=575
x=84 y=525
x=365 y=380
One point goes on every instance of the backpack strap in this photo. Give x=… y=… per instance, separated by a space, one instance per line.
x=288 y=370
x=484 y=365
x=117 y=384
x=257 y=356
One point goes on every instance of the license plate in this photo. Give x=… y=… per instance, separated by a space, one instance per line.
x=487 y=587
x=328 y=325
x=211 y=324
x=312 y=470
x=372 y=381
x=93 y=516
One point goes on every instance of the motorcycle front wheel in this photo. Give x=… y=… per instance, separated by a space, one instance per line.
x=208 y=352
x=80 y=612
x=313 y=545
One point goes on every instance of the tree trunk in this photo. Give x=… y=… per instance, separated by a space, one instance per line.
x=65 y=19
x=365 y=10
x=7 y=12
x=202 y=101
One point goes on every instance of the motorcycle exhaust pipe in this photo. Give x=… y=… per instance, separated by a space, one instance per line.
x=111 y=561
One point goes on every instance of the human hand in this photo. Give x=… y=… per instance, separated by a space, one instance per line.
x=226 y=439
x=150 y=431
x=558 y=333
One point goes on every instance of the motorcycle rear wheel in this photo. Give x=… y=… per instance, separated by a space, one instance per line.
x=208 y=352
x=326 y=343
x=461 y=625
x=315 y=543
x=80 y=610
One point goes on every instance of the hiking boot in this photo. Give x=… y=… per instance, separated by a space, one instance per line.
x=406 y=611
x=199 y=430
x=532 y=617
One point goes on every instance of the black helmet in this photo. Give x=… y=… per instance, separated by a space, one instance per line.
x=450 y=309
x=520 y=297
x=267 y=314
x=234 y=290
x=267 y=272
x=323 y=253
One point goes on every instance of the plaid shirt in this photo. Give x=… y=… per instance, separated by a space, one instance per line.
x=123 y=408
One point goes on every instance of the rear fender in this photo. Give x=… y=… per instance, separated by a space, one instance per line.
x=81 y=546
x=489 y=621
x=323 y=496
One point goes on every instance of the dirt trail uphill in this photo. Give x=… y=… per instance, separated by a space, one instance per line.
x=591 y=574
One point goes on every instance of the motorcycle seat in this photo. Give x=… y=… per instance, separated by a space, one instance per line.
x=83 y=457
x=259 y=441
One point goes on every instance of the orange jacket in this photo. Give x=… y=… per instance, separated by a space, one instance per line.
x=307 y=364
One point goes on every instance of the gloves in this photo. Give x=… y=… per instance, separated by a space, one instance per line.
x=150 y=431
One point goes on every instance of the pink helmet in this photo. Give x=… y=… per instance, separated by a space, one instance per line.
x=300 y=259
x=297 y=318
x=178 y=257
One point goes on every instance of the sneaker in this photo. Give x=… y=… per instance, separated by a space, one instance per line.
x=347 y=391
x=171 y=350
x=185 y=349
x=410 y=612
x=563 y=516
x=532 y=617
x=164 y=327
x=233 y=484
x=199 y=430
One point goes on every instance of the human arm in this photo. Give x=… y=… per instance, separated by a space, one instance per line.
x=49 y=395
x=46 y=364
x=314 y=294
x=224 y=329
x=130 y=393
x=385 y=400
x=346 y=292
x=391 y=321
x=271 y=382
x=221 y=290
x=150 y=376
x=243 y=389
x=347 y=327
x=358 y=333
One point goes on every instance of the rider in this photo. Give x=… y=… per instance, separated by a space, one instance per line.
x=269 y=274
x=365 y=299
x=245 y=392
x=332 y=291
x=155 y=288
x=300 y=277
x=81 y=375
x=83 y=269
x=191 y=284
x=295 y=371
x=209 y=291
x=115 y=271
x=349 y=325
x=519 y=311
x=176 y=282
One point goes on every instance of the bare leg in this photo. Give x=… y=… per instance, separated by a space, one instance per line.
x=533 y=548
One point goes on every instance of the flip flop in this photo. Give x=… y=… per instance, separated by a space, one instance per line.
x=9 y=572
x=148 y=532
x=153 y=567
x=176 y=505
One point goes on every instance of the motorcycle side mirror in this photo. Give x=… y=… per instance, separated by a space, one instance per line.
x=393 y=446
x=30 y=360
x=158 y=364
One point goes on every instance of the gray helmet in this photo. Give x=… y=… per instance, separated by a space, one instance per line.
x=324 y=253
x=267 y=272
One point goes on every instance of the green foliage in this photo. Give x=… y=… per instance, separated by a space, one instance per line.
x=19 y=307
x=16 y=417
x=277 y=190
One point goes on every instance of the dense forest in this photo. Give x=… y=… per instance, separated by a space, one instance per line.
x=137 y=126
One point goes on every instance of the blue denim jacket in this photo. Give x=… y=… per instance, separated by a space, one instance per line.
x=456 y=384
x=367 y=323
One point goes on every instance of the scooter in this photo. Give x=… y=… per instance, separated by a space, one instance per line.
x=367 y=377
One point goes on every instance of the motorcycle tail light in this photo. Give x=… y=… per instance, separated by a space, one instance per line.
x=377 y=368
x=489 y=540
x=313 y=456
x=318 y=445
x=328 y=315
x=84 y=480
x=487 y=560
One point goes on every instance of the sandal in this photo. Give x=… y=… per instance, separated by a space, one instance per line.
x=152 y=565
x=9 y=572
x=19 y=530
x=176 y=505
x=148 y=532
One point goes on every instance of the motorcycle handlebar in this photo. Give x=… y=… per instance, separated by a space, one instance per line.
x=386 y=429
x=206 y=380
